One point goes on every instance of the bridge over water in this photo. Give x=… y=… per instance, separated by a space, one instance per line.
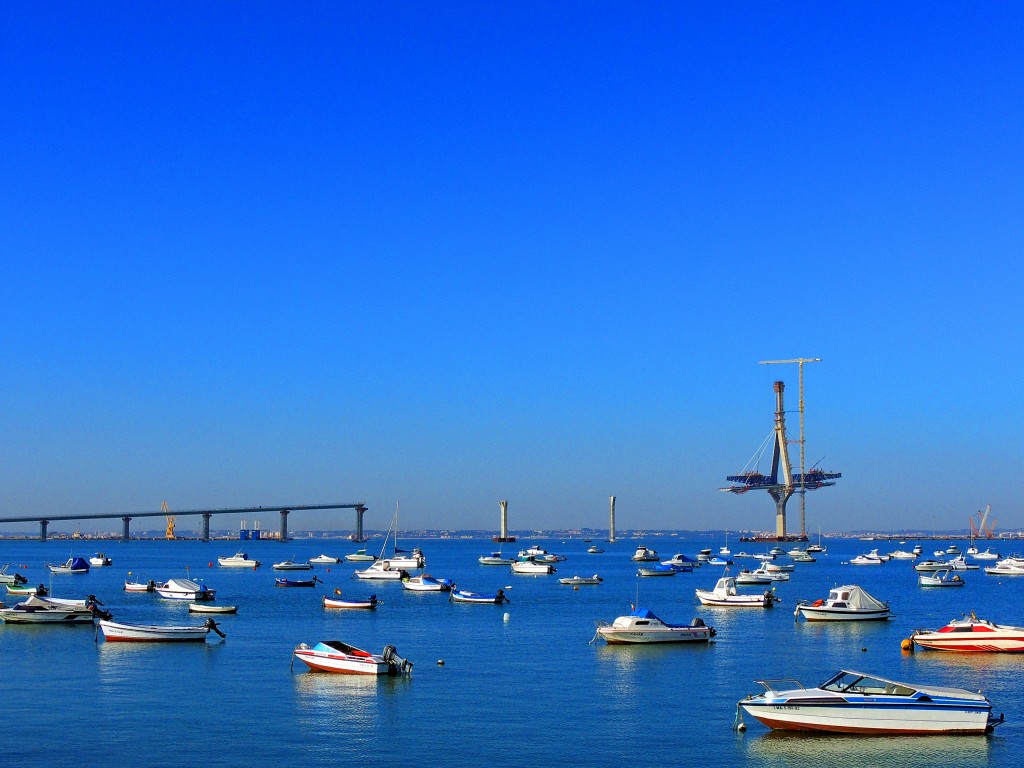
x=284 y=511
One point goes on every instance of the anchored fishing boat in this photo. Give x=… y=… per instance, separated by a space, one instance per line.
x=73 y=565
x=289 y=565
x=99 y=560
x=342 y=602
x=943 y=578
x=117 y=632
x=427 y=583
x=464 y=596
x=578 y=581
x=642 y=626
x=846 y=603
x=325 y=560
x=184 y=589
x=853 y=702
x=725 y=595
x=336 y=656
x=495 y=558
x=283 y=582
x=643 y=555
x=238 y=560
x=39 y=610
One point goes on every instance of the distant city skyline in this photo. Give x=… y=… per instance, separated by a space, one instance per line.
x=446 y=255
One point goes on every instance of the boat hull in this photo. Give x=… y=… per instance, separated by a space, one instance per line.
x=114 y=632
x=825 y=614
x=615 y=636
x=870 y=720
x=355 y=604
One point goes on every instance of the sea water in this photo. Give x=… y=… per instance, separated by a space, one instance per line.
x=520 y=683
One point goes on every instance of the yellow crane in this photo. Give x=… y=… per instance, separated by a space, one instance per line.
x=803 y=467
x=170 y=520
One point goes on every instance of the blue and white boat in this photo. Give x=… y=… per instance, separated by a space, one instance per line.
x=428 y=583
x=73 y=565
x=463 y=596
x=854 y=702
x=285 y=582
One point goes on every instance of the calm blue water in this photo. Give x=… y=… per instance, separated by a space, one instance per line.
x=530 y=688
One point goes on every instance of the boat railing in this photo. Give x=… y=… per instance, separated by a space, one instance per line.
x=781 y=684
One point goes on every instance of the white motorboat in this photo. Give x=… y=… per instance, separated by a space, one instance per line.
x=803 y=557
x=289 y=565
x=38 y=610
x=752 y=577
x=360 y=556
x=680 y=560
x=918 y=549
x=846 y=603
x=594 y=550
x=902 y=554
x=365 y=603
x=644 y=555
x=99 y=560
x=140 y=586
x=238 y=560
x=988 y=554
x=853 y=702
x=10 y=578
x=579 y=581
x=427 y=583
x=464 y=596
x=336 y=656
x=930 y=565
x=642 y=626
x=1007 y=567
x=495 y=558
x=725 y=595
x=772 y=574
x=716 y=560
x=868 y=559
x=658 y=570
x=704 y=555
x=776 y=551
x=959 y=563
x=382 y=570
x=325 y=560
x=117 y=632
x=972 y=635
x=943 y=578
x=404 y=559
x=952 y=549
x=773 y=567
x=184 y=589
x=529 y=566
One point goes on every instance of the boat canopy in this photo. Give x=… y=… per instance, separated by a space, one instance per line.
x=855 y=597
x=643 y=613
x=79 y=564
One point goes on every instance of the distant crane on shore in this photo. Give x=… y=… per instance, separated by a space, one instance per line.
x=980 y=530
x=170 y=520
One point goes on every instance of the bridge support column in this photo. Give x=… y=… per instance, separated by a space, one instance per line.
x=360 y=511
x=125 y=533
x=42 y=529
x=205 y=536
x=284 y=525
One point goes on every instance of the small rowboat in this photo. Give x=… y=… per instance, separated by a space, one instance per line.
x=944 y=578
x=203 y=608
x=115 y=632
x=297 y=582
x=139 y=586
x=340 y=602
x=336 y=656
x=25 y=589
x=462 y=596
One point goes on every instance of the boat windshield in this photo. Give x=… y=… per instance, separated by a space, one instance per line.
x=852 y=682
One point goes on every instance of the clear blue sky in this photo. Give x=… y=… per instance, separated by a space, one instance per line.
x=451 y=253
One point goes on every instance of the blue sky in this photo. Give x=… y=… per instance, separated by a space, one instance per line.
x=446 y=254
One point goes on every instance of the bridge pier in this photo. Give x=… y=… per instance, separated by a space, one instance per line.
x=125 y=533
x=42 y=529
x=284 y=525
x=360 y=511
x=205 y=535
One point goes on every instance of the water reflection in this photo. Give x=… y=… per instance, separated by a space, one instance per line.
x=800 y=749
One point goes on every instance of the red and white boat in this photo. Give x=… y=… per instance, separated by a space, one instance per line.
x=972 y=635
x=336 y=656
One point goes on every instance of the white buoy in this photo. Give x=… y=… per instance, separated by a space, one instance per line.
x=506 y=618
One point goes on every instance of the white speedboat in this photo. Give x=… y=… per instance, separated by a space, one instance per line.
x=803 y=557
x=427 y=583
x=117 y=632
x=772 y=574
x=644 y=555
x=38 y=610
x=579 y=581
x=238 y=560
x=988 y=554
x=943 y=578
x=930 y=565
x=972 y=635
x=902 y=554
x=725 y=595
x=325 y=560
x=10 y=578
x=140 y=586
x=1006 y=567
x=868 y=559
x=846 y=603
x=704 y=555
x=642 y=626
x=959 y=563
x=952 y=549
x=336 y=656
x=495 y=558
x=773 y=567
x=289 y=565
x=853 y=702
x=184 y=589
x=529 y=566
x=657 y=570
x=360 y=556
x=680 y=560
x=594 y=550
x=99 y=560
x=752 y=577
x=404 y=559
x=382 y=570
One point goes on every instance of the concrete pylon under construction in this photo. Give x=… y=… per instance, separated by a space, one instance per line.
x=503 y=536
x=611 y=518
x=780 y=455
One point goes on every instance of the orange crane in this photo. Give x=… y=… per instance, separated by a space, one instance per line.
x=989 y=532
x=170 y=520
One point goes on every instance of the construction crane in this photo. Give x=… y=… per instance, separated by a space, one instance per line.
x=803 y=466
x=980 y=530
x=170 y=520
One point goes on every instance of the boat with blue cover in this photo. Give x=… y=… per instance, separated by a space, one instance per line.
x=73 y=565
x=642 y=626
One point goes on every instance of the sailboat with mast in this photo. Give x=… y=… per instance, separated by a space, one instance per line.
x=393 y=567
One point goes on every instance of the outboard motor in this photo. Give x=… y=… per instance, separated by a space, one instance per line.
x=398 y=665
